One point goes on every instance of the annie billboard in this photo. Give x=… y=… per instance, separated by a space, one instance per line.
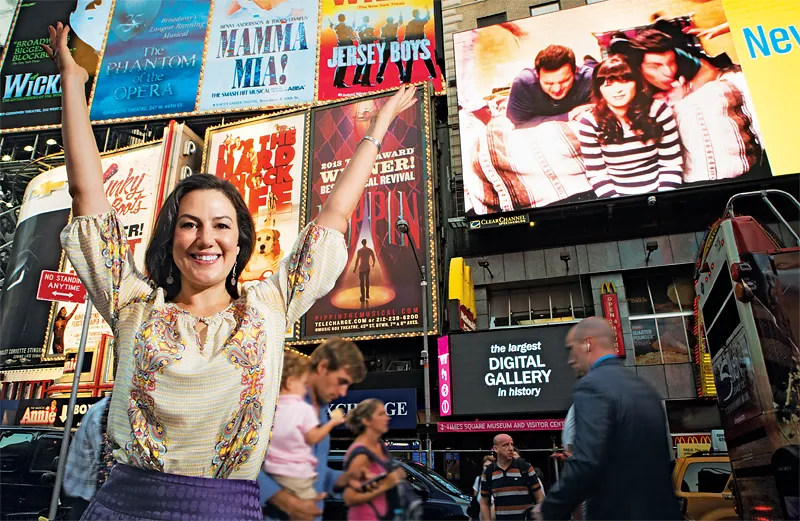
x=619 y=98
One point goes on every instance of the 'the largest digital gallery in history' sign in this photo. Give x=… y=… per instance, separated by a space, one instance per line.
x=511 y=371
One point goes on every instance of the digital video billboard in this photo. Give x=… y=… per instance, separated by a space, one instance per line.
x=511 y=371
x=618 y=98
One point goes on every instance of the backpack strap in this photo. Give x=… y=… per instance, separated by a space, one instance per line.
x=360 y=449
x=489 y=471
x=386 y=464
x=523 y=466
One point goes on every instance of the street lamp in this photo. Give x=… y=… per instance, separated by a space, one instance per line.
x=402 y=227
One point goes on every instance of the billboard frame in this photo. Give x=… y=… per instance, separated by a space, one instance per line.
x=48 y=339
x=210 y=131
x=317 y=103
x=430 y=218
x=196 y=112
x=94 y=80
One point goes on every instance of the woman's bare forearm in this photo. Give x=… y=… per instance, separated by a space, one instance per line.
x=84 y=170
x=350 y=185
x=351 y=182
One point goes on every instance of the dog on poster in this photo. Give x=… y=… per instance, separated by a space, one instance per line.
x=266 y=257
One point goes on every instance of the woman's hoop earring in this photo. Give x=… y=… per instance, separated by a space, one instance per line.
x=170 y=279
x=233 y=273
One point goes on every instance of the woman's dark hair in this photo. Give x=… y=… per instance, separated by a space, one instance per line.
x=616 y=68
x=363 y=411
x=158 y=258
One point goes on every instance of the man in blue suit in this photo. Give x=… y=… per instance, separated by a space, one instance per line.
x=621 y=465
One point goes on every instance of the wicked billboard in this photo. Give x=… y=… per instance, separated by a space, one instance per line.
x=29 y=80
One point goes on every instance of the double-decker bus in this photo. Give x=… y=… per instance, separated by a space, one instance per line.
x=748 y=288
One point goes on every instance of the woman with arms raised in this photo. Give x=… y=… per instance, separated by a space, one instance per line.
x=198 y=364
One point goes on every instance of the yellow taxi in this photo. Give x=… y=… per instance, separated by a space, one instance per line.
x=704 y=483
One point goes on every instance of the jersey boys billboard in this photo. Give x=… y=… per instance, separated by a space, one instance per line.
x=365 y=46
x=259 y=57
x=379 y=291
x=29 y=81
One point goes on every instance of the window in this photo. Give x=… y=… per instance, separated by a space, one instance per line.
x=46 y=453
x=12 y=450
x=706 y=478
x=549 y=7
x=662 y=323
x=498 y=18
x=540 y=305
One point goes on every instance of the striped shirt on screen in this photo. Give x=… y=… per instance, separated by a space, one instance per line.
x=633 y=166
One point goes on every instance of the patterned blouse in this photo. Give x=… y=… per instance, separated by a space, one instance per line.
x=180 y=406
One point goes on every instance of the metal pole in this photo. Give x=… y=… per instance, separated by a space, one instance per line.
x=425 y=358
x=76 y=379
x=555 y=462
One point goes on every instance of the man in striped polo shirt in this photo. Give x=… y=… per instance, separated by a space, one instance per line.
x=511 y=482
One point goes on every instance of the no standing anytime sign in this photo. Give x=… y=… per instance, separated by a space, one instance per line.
x=61 y=287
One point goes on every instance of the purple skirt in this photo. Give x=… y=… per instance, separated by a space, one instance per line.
x=132 y=494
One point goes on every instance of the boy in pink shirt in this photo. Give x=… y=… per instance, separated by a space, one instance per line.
x=290 y=459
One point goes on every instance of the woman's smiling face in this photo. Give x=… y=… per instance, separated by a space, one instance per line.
x=618 y=94
x=205 y=240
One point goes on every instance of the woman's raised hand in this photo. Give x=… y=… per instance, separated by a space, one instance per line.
x=403 y=99
x=59 y=52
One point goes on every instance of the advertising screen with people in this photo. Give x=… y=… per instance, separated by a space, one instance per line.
x=620 y=98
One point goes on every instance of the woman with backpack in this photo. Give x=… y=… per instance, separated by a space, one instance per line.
x=474 y=510
x=369 y=422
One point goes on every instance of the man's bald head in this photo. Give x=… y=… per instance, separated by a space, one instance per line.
x=504 y=448
x=596 y=331
x=589 y=340
x=500 y=438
